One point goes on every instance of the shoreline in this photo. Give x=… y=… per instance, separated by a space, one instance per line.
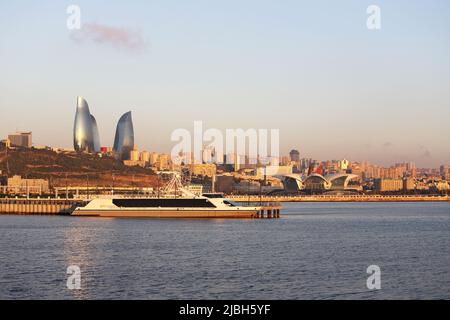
x=344 y=198
x=66 y=206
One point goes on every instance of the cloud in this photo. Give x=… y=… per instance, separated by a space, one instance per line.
x=117 y=37
x=387 y=144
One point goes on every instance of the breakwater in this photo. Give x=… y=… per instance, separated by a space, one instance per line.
x=38 y=206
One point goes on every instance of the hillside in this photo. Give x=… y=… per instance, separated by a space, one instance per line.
x=73 y=168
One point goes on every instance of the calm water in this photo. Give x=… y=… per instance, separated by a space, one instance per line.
x=315 y=251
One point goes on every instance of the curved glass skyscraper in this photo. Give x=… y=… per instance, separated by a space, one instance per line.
x=96 y=135
x=86 y=136
x=85 y=130
x=124 y=139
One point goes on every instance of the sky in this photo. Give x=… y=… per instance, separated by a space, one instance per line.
x=311 y=69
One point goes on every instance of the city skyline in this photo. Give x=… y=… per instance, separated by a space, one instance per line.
x=126 y=117
x=334 y=89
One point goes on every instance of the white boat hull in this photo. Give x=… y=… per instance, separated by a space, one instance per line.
x=162 y=213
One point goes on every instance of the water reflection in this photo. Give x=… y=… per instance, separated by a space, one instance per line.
x=80 y=241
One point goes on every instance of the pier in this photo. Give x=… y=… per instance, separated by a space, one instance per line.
x=269 y=210
x=38 y=206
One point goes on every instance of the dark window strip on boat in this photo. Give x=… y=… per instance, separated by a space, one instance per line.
x=164 y=203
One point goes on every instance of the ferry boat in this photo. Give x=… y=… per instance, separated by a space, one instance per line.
x=210 y=206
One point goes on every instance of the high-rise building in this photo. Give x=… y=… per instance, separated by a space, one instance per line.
x=21 y=139
x=154 y=158
x=305 y=164
x=124 y=139
x=444 y=171
x=85 y=130
x=410 y=166
x=96 y=135
x=163 y=162
x=145 y=156
x=343 y=164
x=134 y=155
x=237 y=162
x=294 y=155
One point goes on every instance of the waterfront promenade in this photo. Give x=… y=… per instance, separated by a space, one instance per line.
x=341 y=198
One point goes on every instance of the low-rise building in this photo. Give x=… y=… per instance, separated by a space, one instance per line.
x=408 y=184
x=134 y=163
x=388 y=185
x=6 y=143
x=17 y=185
x=441 y=186
x=21 y=139
x=204 y=170
x=273 y=171
x=224 y=183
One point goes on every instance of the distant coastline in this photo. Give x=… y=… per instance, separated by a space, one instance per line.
x=343 y=198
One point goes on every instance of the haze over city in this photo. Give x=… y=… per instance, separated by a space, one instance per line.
x=313 y=70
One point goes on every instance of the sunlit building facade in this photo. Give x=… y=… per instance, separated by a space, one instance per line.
x=21 y=139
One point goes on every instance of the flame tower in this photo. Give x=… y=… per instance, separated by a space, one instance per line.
x=85 y=130
x=124 y=139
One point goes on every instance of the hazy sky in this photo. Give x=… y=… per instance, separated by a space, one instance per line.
x=310 y=68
